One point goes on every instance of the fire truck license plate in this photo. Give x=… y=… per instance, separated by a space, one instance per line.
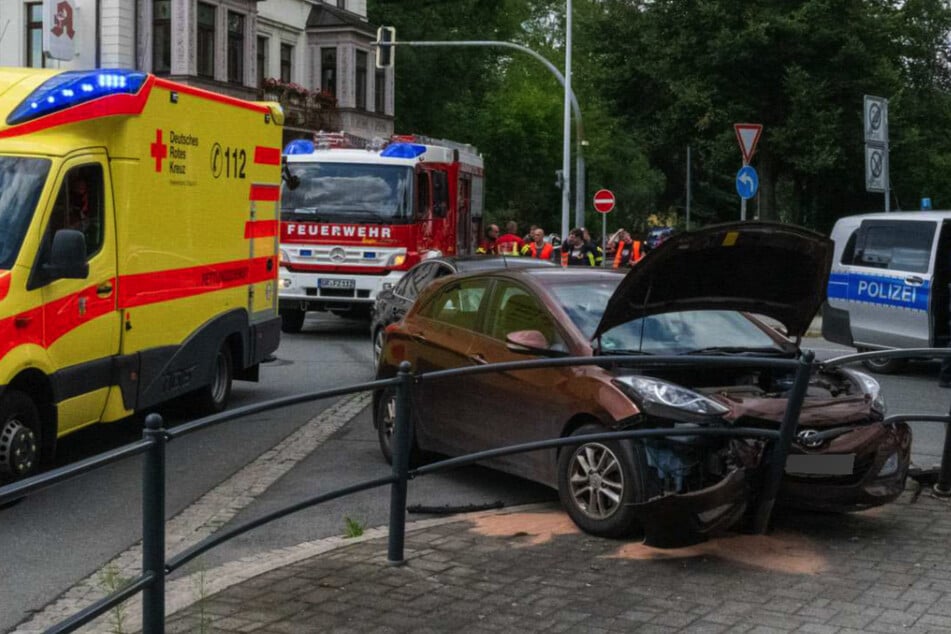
x=338 y=284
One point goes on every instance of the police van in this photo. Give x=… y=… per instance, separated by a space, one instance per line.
x=889 y=283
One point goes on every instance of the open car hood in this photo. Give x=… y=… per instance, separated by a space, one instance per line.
x=771 y=269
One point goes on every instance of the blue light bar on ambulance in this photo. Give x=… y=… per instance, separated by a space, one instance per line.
x=299 y=146
x=403 y=150
x=73 y=88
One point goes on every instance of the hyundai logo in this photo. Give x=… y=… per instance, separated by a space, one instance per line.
x=807 y=438
x=337 y=255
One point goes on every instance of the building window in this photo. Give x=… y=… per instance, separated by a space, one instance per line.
x=328 y=70
x=379 y=91
x=206 y=40
x=262 y=60
x=287 y=54
x=362 y=80
x=235 y=47
x=162 y=36
x=34 y=35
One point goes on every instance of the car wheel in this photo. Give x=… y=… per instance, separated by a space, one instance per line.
x=883 y=365
x=213 y=398
x=292 y=320
x=377 y=346
x=598 y=482
x=384 y=419
x=19 y=436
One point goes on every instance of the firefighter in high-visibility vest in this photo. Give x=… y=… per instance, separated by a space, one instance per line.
x=489 y=246
x=627 y=251
x=538 y=248
x=576 y=252
x=510 y=243
x=598 y=251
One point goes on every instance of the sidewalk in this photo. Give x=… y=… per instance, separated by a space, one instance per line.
x=529 y=569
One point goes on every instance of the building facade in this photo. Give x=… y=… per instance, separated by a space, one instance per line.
x=314 y=56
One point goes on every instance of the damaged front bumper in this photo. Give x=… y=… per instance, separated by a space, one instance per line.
x=680 y=519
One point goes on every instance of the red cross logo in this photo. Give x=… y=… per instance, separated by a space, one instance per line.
x=159 y=150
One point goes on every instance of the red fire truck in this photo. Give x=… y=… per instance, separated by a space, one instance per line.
x=353 y=220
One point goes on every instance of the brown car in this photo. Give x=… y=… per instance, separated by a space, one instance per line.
x=697 y=294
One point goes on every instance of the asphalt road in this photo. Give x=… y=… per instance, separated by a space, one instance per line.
x=60 y=536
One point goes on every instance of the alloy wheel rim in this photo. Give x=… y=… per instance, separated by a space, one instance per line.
x=389 y=418
x=596 y=481
x=377 y=345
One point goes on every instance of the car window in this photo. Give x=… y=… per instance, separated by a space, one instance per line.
x=895 y=245
x=512 y=309
x=458 y=303
x=79 y=205
x=416 y=280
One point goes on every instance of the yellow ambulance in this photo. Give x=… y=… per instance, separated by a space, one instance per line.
x=138 y=250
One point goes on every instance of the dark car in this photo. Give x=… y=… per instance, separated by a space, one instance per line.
x=392 y=303
x=697 y=296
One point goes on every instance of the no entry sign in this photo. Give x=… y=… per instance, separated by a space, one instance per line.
x=604 y=200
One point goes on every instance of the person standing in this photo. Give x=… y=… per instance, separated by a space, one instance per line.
x=577 y=252
x=509 y=243
x=538 y=248
x=627 y=250
x=489 y=246
x=594 y=247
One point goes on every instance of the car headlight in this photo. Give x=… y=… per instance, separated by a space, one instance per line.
x=661 y=398
x=283 y=258
x=890 y=467
x=397 y=259
x=872 y=389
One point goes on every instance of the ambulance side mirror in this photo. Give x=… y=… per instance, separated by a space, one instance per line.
x=67 y=256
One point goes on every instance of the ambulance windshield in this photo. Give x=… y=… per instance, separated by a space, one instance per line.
x=349 y=192
x=21 y=181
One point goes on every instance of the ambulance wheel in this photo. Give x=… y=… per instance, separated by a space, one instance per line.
x=881 y=365
x=384 y=419
x=19 y=436
x=292 y=320
x=599 y=482
x=213 y=398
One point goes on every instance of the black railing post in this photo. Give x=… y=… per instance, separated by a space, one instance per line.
x=942 y=487
x=402 y=435
x=153 y=526
x=777 y=456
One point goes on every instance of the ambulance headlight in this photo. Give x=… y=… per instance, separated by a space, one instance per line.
x=397 y=259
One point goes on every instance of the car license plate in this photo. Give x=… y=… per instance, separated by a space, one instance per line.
x=338 y=284
x=828 y=464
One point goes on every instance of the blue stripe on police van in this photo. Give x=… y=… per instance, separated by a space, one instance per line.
x=878 y=289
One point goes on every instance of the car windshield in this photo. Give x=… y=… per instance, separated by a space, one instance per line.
x=669 y=333
x=21 y=181
x=349 y=192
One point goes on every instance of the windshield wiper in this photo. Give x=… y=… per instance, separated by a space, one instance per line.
x=623 y=351
x=737 y=350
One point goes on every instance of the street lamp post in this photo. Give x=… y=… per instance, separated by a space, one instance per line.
x=566 y=129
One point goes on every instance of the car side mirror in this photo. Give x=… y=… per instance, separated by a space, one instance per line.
x=67 y=256
x=530 y=342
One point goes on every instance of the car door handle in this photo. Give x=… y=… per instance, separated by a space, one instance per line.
x=478 y=358
x=417 y=337
x=104 y=289
x=914 y=280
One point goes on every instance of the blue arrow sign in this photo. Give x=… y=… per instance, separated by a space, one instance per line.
x=747 y=182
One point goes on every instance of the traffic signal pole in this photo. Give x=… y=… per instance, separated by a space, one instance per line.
x=570 y=99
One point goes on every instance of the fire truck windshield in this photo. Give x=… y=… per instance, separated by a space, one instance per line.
x=21 y=182
x=349 y=192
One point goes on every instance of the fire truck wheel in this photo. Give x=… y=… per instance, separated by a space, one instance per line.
x=213 y=398
x=19 y=436
x=292 y=320
x=384 y=419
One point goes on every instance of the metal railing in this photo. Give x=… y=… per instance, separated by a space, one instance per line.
x=155 y=568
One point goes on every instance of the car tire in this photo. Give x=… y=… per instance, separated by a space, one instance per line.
x=599 y=499
x=213 y=398
x=292 y=320
x=384 y=419
x=882 y=365
x=377 y=346
x=20 y=439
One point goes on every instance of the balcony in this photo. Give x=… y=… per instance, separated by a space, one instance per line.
x=303 y=108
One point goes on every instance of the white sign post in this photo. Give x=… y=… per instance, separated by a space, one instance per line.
x=876 y=146
x=60 y=23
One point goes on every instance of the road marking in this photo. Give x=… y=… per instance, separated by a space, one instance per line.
x=201 y=519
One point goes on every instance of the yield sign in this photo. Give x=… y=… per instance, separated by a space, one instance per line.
x=747 y=134
x=604 y=200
